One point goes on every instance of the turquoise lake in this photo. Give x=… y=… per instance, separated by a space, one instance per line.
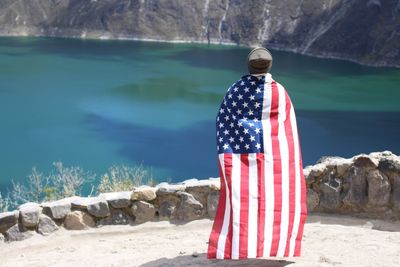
x=95 y=103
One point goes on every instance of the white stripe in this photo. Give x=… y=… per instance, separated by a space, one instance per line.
x=236 y=168
x=297 y=208
x=225 y=224
x=268 y=167
x=253 y=206
x=284 y=152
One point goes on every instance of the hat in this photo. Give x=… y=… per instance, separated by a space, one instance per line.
x=259 y=60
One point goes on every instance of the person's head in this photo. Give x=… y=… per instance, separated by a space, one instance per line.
x=259 y=61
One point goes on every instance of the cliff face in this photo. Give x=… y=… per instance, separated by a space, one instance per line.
x=367 y=31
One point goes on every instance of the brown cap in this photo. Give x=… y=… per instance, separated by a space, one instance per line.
x=259 y=60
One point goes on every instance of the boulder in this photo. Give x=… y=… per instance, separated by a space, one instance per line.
x=58 y=209
x=118 y=200
x=356 y=196
x=143 y=211
x=189 y=208
x=145 y=193
x=96 y=206
x=7 y=220
x=29 y=214
x=18 y=233
x=313 y=199
x=378 y=189
x=212 y=203
x=78 y=220
x=117 y=217
x=46 y=225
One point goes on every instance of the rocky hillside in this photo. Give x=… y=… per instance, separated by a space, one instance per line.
x=367 y=31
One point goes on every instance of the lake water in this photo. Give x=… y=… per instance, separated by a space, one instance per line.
x=94 y=103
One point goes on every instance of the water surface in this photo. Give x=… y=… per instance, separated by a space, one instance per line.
x=96 y=103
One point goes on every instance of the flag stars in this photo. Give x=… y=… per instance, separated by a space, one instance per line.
x=220 y=139
x=221 y=110
x=241 y=139
x=226 y=132
x=258 y=145
x=245 y=104
x=253 y=83
x=229 y=95
x=231 y=139
x=257 y=130
x=239 y=111
x=246 y=90
x=226 y=146
x=247 y=146
x=221 y=125
x=257 y=105
x=246 y=131
x=258 y=90
x=232 y=125
x=226 y=118
x=234 y=104
x=252 y=97
x=237 y=147
x=235 y=89
x=240 y=97
x=252 y=138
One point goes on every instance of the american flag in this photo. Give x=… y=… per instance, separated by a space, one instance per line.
x=262 y=202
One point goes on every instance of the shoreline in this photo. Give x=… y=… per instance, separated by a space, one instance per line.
x=107 y=36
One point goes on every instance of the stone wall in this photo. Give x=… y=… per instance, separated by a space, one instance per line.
x=367 y=185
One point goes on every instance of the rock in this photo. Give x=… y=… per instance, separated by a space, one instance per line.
x=389 y=166
x=145 y=193
x=46 y=225
x=366 y=162
x=29 y=214
x=99 y=208
x=167 y=210
x=58 y=209
x=189 y=208
x=199 y=192
x=212 y=203
x=7 y=220
x=18 y=233
x=78 y=220
x=314 y=172
x=167 y=189
x=378 y=189
x=357 y=192
x=396 y=193
x=329 y=197
x=117 y=217
x=143 y=211
x=215 y=183
x=96 y=206
x=118 y=200
x=312 y=199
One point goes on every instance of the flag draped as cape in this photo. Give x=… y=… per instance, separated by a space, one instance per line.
x=262 y=203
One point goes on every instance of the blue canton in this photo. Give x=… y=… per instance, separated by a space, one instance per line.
x=239 y=128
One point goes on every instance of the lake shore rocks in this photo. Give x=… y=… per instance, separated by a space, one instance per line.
x=364 y=185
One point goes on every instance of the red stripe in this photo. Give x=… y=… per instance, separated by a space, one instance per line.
x=261 y=204
x=244 y=206
x=228 y=176
x=292 y=174
x=277 y=169
x=219 y=218
x=303 y=212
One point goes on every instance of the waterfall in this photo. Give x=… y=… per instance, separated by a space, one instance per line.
x=264 y=29
x=222 y=20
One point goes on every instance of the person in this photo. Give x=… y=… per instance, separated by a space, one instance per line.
x=262 y=202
